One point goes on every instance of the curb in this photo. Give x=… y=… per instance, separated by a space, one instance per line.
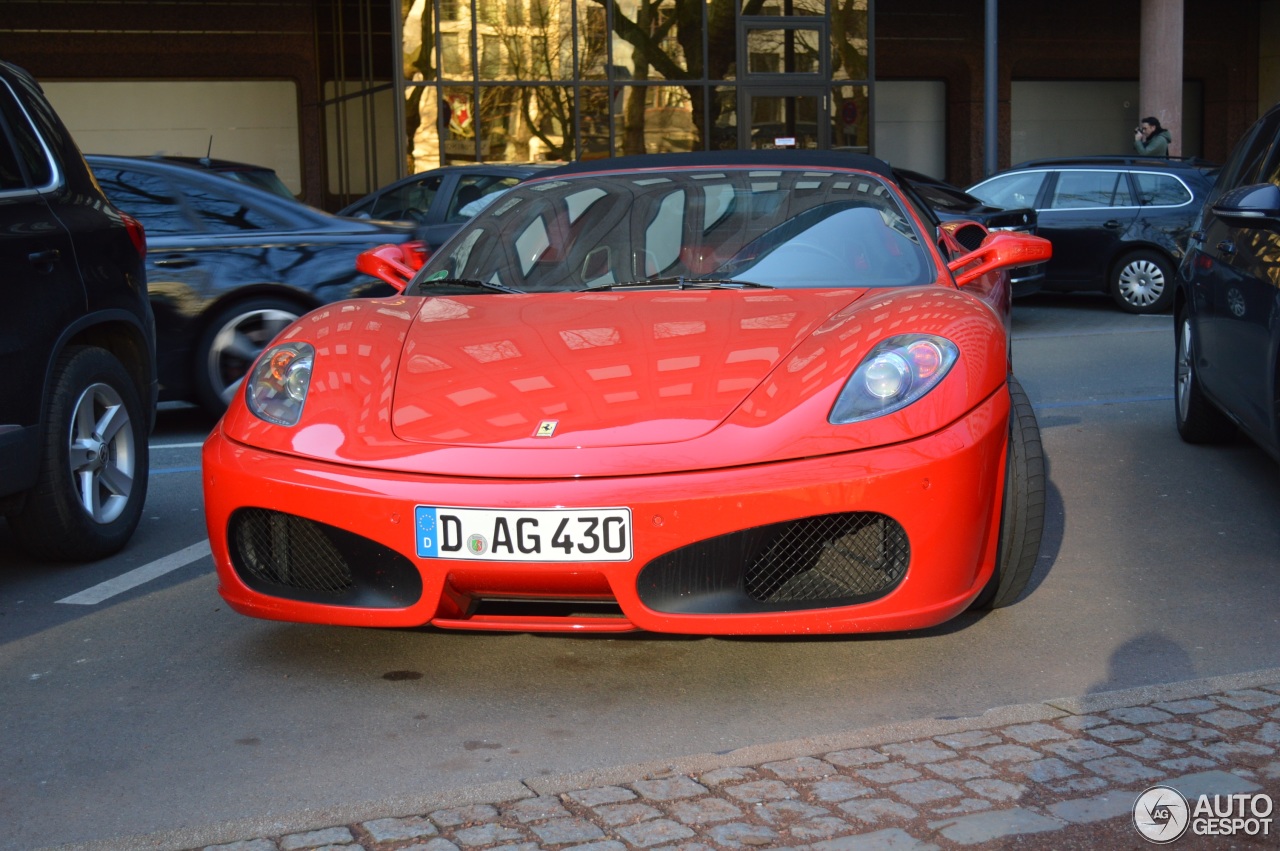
x=505 y=792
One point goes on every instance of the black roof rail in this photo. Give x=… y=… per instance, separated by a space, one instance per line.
x=1121 y=159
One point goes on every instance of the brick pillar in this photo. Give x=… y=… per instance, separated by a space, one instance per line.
x=1160 y=67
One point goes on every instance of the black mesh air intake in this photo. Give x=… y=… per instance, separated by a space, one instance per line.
x=299 y=559
x=970 y=236
x=814 y=562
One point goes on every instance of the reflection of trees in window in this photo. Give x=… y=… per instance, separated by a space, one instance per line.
x=658 y=41
x=491 y=64
x=791 y=51
x=849 y=39
x=527 y=122
x=418 y=38
x=539 y=50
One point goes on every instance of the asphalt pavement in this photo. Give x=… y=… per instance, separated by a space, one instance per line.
x=1103 y=770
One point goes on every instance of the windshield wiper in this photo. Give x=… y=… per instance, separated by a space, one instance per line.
x=680 y=282
x=463 y=285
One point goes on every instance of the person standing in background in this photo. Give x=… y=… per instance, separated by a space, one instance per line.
x=1150 y=139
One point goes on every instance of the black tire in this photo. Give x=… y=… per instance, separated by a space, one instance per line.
x=1197 y=418
x=94 y=463
x=1142 y=282
x=1022 y=517
x=231 y=343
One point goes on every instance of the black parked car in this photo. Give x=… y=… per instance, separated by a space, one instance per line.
x=229 y=265
x=1227 y=307
x=77 y=342
x=1118 y=224
x=254 y=175
x=441 y=200
x=952 y=204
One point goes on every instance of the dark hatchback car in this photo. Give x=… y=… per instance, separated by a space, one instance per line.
x=441 y=200
x=950 y=203
x=77 y=365
x=1118 y=225
x=229 y=265
x=1227 y=307
x=254 y=175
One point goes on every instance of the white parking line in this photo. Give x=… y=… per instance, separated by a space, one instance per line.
x=138 y=576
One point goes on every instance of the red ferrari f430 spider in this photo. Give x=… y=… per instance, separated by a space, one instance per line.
x=719 y=393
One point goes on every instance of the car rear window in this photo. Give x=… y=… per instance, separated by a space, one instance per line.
x=1160 y=190
x=146 y=197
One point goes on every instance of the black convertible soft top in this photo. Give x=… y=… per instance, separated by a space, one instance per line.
x=772 y=157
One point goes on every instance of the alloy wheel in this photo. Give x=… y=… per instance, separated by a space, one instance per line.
x=237 y=345
x=102 y=453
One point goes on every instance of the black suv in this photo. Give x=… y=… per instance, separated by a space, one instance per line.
x=77 y=342
x=1227 y=308
x=1118 y=225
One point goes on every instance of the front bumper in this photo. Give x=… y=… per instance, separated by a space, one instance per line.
x=935 y=499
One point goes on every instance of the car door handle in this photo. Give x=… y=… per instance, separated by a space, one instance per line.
x=175 y=262
x=1227 y=247
x=45 y=258
x=1113 y=224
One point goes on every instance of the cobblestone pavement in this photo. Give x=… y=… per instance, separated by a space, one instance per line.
x=1059 y=774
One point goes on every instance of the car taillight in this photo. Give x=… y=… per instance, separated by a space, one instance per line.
x=136 y=233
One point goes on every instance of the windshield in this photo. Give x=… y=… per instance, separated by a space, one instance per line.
x=771 y=227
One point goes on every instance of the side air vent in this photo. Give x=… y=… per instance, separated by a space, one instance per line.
x=292 y=557
x=816 y=562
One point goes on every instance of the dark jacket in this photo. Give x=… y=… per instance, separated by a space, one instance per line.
x=1156 y=146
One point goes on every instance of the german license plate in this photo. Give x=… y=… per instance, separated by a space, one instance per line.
x=539 y=534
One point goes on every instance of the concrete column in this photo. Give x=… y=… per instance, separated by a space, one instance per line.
x=1160 y=67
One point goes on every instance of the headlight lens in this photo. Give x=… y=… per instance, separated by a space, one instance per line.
x=277 y=387
x=897 y=372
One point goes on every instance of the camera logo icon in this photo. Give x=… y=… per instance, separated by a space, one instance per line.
x=1161 y=814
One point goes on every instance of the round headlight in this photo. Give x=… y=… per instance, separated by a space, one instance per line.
x=897 y=372
x=297 y=378
x=887 y=375
x=276 y=388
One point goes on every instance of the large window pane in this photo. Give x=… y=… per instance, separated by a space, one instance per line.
x=850 y=114
x=458 y=125
x=455 y=54
x=647 y=42
x=593 y=41
x=724 y=119
x=785 y=8
x=417 y=37
x=597 y=104
x=849 y=40
x=526 y=123
x=422 y=127
x=535 y=44
x=784 y=50
x=656 y=119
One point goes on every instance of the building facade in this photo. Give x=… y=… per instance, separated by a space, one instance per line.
x=342 y=96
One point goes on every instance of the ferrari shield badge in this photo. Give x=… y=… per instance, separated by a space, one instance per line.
x=546 y=428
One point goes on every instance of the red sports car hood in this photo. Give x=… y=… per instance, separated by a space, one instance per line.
x=594 y=369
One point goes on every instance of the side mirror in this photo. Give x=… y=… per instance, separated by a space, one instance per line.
x=394 y=264
x=1000 y=250
x=1250 y=207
